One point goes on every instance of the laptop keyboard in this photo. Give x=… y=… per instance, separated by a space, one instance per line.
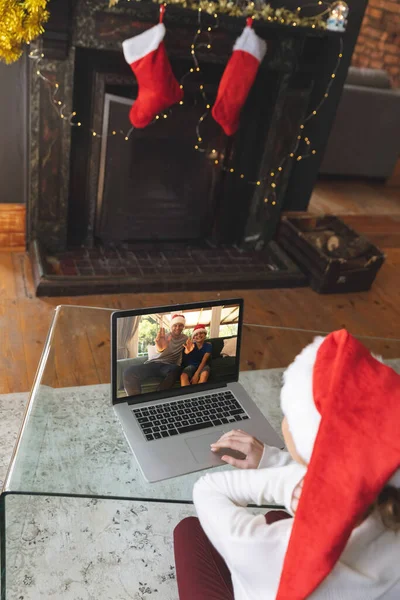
x=181 y=416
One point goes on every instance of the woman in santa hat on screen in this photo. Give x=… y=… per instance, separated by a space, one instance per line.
x=339 y=482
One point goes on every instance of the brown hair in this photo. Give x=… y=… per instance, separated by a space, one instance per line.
x=387 y=506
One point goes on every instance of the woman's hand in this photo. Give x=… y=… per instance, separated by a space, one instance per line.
x=242 y=442
x=188 y=346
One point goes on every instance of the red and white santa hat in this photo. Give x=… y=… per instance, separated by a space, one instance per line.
x=178 y=319
x=199 y=329
x=342 y=406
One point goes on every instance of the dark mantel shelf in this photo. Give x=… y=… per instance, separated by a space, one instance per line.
x=58 y=30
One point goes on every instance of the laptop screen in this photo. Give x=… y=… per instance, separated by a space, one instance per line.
x=167 y=351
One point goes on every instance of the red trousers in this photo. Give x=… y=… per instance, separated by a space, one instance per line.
x=201 y=572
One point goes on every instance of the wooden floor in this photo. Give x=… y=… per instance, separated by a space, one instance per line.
x=24 y=319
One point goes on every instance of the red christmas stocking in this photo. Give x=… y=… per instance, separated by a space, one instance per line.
x=238 y=77
x=158 y=88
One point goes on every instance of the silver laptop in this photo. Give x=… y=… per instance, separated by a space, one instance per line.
x=175 y=385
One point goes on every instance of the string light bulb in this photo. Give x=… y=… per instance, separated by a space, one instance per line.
x=273 y=185
x=313 y=152
x=216 y=161
x=279 y=169
x=94 y=133
x=231 y=170
x=272 y=174
x=241 y=176
x=299 y=158
x=258 y=182
x=265 y=200
x=273 y=203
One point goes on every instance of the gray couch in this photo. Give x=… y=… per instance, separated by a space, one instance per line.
x=365 y=137
x=221 y=367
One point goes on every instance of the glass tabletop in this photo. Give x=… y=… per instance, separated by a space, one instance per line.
x=71 y=442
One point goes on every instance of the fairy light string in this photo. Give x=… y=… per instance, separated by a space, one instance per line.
x=37 y=57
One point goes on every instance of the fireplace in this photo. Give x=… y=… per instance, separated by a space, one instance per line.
x=100 y=201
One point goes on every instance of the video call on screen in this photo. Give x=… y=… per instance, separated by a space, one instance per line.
x=165 y=351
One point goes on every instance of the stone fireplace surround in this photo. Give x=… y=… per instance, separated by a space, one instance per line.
x=296 y=61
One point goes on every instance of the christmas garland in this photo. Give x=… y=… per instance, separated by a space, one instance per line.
x=249 y=9
x=20 y=22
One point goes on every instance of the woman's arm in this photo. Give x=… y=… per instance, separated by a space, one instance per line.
x=220 y=499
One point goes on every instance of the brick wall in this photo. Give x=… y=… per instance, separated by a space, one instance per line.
x=378 y=45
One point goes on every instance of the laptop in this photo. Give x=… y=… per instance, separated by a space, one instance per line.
x=175 y=387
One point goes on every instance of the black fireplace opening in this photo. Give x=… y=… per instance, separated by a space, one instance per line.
x=157 y=187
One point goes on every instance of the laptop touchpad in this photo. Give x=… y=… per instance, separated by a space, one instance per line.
x=200 y=448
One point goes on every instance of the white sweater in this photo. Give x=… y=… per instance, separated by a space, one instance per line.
x=368 y=569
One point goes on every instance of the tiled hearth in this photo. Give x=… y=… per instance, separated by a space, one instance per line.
x=101 y=270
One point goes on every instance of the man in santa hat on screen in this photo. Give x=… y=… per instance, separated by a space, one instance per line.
x=166 y=364
x=339 y=482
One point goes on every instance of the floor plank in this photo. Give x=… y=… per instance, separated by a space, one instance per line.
x=341 y=196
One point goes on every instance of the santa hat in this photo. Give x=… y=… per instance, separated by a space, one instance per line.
x=178 y=319
x=342 y=406
x=199 y=329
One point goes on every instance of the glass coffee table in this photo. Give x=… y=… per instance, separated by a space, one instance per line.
x=78 y=520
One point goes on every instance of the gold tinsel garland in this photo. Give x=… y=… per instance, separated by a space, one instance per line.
x=251 y=9
x=20 y=22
